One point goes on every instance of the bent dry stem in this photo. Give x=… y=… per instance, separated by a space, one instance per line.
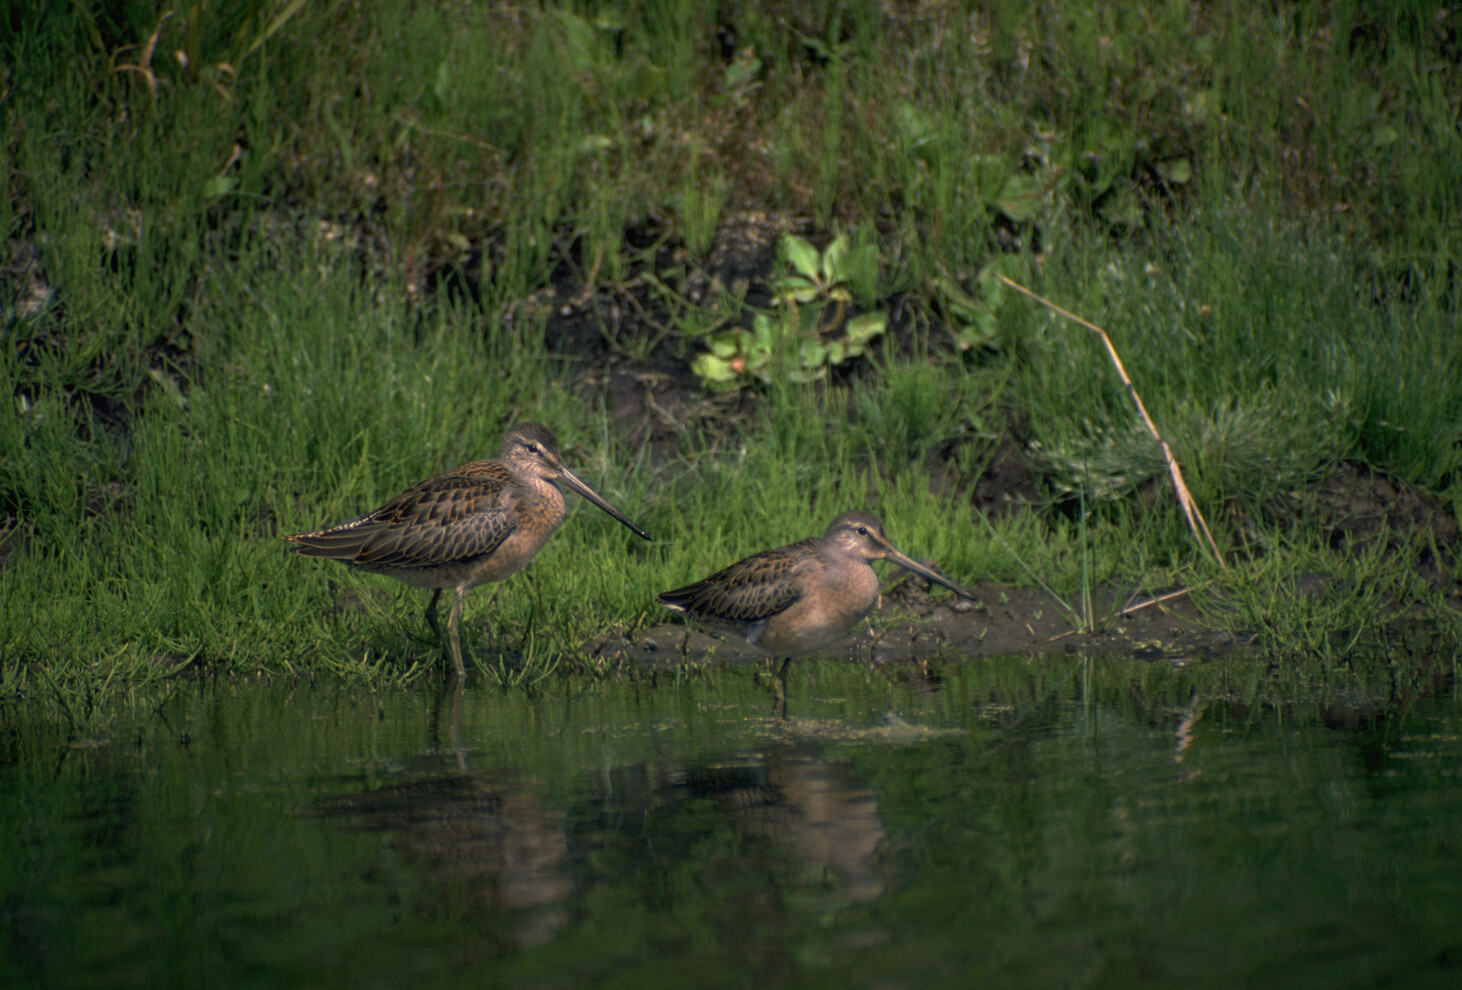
x=1191 y=512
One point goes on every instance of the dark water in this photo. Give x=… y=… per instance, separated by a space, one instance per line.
x=1018 y=823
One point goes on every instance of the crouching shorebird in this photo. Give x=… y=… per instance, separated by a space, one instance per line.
x=476 y=523
x=802 y=597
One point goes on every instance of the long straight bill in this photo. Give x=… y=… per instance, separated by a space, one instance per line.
x=578 y=486
x=927 y=573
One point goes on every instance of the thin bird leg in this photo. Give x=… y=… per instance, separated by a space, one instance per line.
x=454 y=639
x=779 y=690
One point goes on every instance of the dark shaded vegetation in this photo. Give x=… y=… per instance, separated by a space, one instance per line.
x=264 y=266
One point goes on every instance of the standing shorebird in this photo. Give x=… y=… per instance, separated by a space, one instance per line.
x=804 y=596
x=476 y=523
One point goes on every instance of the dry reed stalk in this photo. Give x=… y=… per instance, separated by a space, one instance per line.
x=1196 y=522
x=1129 y=610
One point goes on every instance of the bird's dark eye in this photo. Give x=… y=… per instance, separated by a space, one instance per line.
x=532 y=448
x=862 y=530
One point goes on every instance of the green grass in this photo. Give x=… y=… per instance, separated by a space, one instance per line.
x=243 y=339
x=1257 y=351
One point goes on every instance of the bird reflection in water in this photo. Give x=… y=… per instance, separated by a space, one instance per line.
x=823 y=823
x=767 y=834
x=493 y=849
x=487 y=846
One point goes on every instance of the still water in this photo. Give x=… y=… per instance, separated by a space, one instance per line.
x=1010 y=823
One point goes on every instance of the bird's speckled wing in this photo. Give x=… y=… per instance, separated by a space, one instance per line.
x=455 y=517
x=750 y=590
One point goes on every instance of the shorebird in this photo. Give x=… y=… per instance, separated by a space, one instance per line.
x=802 y=597
x=476 y=523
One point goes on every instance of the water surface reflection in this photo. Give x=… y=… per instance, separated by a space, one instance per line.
x=481 y=845
x=488 y=843
x=1018 y=823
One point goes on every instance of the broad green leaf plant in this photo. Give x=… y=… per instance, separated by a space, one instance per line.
x=811 y=330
